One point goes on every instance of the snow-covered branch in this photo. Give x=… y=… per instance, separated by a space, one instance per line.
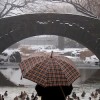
x=7 y=6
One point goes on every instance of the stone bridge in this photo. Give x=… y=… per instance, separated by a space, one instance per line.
x=84 y=30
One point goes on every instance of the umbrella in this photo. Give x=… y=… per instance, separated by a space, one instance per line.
x=49 y=69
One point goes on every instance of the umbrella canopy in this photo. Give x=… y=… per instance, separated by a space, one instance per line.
x=49 y=69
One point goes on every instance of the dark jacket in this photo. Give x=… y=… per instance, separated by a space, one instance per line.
x=53 y=93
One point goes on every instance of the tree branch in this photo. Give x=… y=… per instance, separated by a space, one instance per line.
x=79 y=7
x=7 y=7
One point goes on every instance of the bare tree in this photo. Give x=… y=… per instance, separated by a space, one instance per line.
x=7 y=7
x=93 y=6
x=90 y=8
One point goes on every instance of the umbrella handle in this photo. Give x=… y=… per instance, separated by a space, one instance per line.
x=63 y=92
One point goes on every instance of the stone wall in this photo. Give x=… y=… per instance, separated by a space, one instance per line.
x=4 y=81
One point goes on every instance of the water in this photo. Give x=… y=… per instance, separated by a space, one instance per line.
x=15 y=91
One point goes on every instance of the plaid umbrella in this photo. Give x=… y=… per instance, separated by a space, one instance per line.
x=49 y=69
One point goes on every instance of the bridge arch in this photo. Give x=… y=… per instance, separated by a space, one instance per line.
x=82 y=29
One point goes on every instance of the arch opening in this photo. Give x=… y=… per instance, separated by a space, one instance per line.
x=47 y=43
x=63 y=45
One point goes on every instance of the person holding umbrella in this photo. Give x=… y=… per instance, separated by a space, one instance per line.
x=53 y=73
x=53 y=92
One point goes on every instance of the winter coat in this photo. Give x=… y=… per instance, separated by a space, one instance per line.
x=53 y=93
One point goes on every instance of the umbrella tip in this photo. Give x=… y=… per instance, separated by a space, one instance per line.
x=51 y=54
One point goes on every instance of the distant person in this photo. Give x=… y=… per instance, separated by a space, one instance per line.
x=6 y=93
x=53 y=92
